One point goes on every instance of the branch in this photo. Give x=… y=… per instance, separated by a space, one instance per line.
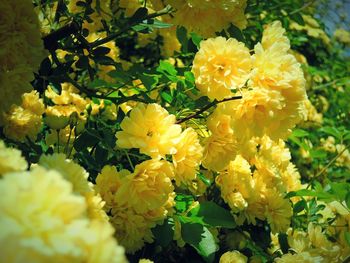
x=207 y=107
x=168 y=9
x=50 y=41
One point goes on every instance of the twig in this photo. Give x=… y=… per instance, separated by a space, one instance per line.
x=51 y=40
x=102 y=41
x=301 y=8
x=199 y=112
x=332 y=161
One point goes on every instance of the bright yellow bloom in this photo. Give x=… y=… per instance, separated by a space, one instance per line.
x=44 y=220
x=342 y=36
x=237 y=185
x=71 y=171
x=108 y=183
x=233 y=257
x=151 y=129
x=220 y=66
x=219 y=151
x=25 y=120
x=78 y=177
x=207 y=17
x=275 y=33
x=304 y=257
x=148 y=188
x=274 y=102
x=132 y=229
x=11 y=160
x=278 y=211
x=188 y=157
x=21 y=123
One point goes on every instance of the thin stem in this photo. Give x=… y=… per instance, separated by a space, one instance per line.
x=207 y=107
x=331 y=162
x=58 y=140
x=129 y=160
x=168 y=9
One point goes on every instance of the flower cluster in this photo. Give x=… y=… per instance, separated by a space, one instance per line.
x=259 y=193
x=154 y=131
x=274 y=99
x=25 y=121
x=207 y=17
x=45 y=218
x=137 y=201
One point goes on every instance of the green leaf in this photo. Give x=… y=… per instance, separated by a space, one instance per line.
x=283 y=241
x=200 y=238
x=164 y=233
x=101 y=51
x=86 y=139
x=82 y=63
x=204 y=179
x=299 y=133
x=347 y=200
x=166 y=68
x=306 y=192
x=182 y=202
x=213 y=215
x=149 y=80
x=236 y=33
x=298 y=18
x=166 y=96
x=299 y=206
x=331 y=131
x=347 y=237
x=139 y=15
x=196 y=39
x=181 y=34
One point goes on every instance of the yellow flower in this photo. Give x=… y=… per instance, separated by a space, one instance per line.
x=274 y=102
x=236 y=184
x=207 y=17
x=39 y=211
x=188 y=157
x=275 y=33
x=304 y=257
x=78 y=177
x=151 y=129
x=148 y=188
x=312 y=116
x=11 y=160
x=100 y=245
x=220 y=66
x=108 y=183
x=144 y=260
x=233 y=257
x=25 y=120
x=19 y=29
x=32 y=102
x=342 y=36
x=21 y=123
x=278 y=211
x=132 y=229
x=219 y=151
x=47 y=222
x=71 y=171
